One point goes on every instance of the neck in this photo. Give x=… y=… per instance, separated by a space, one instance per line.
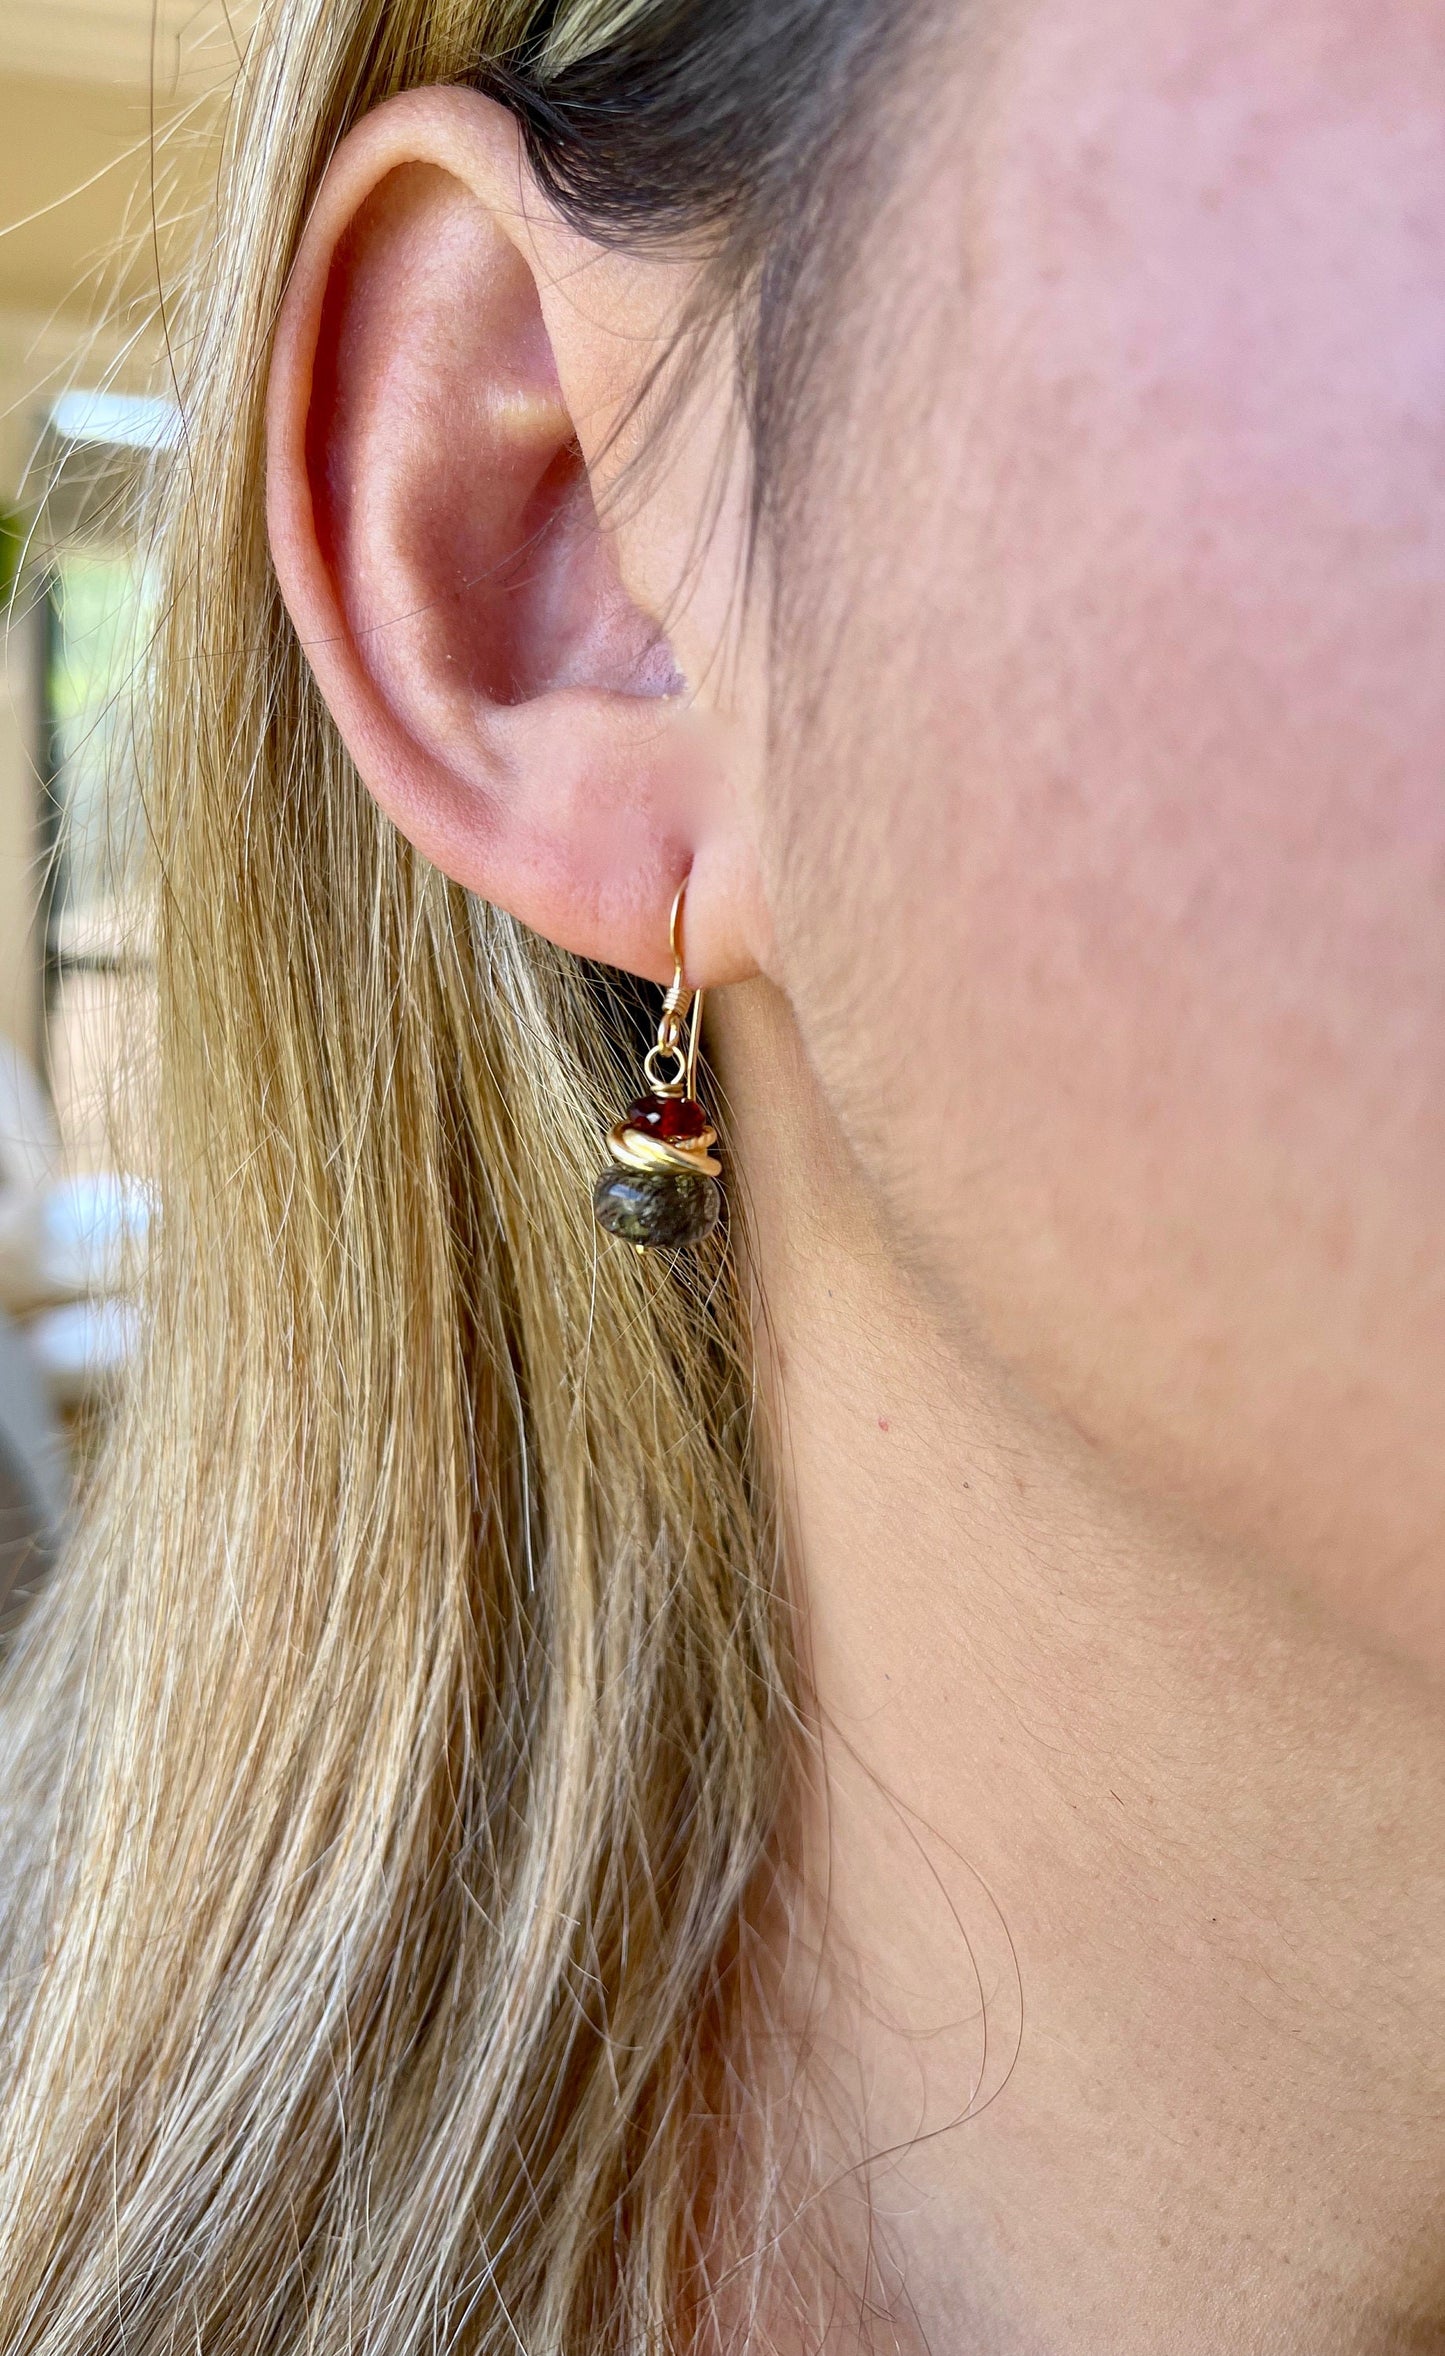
x=1132 y=1964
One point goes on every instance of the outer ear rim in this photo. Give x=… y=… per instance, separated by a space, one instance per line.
x=628 y=925
x=404 y=129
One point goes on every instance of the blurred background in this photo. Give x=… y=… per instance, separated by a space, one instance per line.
x=110 y=116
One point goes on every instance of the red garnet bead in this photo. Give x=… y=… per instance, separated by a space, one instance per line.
x=667 y=1116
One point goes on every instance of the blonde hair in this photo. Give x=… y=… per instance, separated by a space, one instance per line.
x=389 y=1776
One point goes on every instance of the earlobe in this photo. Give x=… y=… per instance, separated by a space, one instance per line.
x=435 y=528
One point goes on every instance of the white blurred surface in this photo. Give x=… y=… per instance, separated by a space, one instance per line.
x=79 y=1237
x=81 y=1350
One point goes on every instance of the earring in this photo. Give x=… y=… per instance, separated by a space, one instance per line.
x=661 y=1191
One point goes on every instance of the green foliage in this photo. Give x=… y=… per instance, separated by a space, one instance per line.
x=12 y=548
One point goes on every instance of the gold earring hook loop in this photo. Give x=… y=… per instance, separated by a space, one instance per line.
x=679 y=1002
x=661 y=1191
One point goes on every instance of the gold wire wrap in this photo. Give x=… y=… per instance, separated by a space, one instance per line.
x=633 y=1149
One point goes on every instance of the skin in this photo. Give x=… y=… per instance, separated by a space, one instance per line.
x=1082 y=1066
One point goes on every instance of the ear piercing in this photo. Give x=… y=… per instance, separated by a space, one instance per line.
x=661 y=1191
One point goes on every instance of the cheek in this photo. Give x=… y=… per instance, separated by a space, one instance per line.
x=1159 y=897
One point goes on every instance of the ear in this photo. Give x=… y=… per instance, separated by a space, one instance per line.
x=453 y=398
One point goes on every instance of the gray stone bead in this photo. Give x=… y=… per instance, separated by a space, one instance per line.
x=662 y=1209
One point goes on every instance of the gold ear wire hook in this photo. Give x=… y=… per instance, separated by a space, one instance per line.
x=661 y=1192
x=679 y=1002
x=679 y=996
